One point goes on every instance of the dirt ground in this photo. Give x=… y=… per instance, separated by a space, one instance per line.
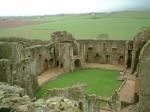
x=126 y=93
x=104 y=110
x=49 y=75
x=12 y=23
x=104 y=66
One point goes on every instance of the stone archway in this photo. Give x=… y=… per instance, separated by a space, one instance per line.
x=45 y=64
x=97 y=58
x=61 y=65
x=51 y=62
x=121 y=60
x=90 y=55
x=57 y=63
x=107 y=59
x=129 y=60
x=77 y=64
x=6 y=109
x=75 y=50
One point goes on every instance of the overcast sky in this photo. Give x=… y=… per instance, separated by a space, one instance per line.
x=42 y=7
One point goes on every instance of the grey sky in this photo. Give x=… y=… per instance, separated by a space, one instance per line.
x=42 y=7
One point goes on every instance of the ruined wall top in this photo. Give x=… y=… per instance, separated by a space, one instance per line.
x=143 y=35
x=145 y=52
x=62 y=36
x=24 y=41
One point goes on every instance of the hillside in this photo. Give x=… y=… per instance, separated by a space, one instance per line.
x=120 y=25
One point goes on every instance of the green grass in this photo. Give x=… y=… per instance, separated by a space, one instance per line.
x=121 y=25
x=99 y=82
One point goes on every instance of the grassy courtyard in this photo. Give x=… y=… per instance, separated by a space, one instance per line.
x=99 y=82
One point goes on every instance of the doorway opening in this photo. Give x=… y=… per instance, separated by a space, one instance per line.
x=121 y=60
x=107 y=58
x=77 y=64
x=46 y=64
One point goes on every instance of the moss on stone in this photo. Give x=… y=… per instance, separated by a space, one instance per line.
x=5 y=51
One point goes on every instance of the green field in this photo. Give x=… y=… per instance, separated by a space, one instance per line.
x=99 y=82
x=121 y=25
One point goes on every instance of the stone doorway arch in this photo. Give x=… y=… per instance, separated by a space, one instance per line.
x=97 y=58
x=107 y=59
x=46 y=64
x=57 y=63
x=121 y=60
x=77 y=64
x=129 y=60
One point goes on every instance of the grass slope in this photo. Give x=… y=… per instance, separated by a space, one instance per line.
x=99 y=82
x=121 y=25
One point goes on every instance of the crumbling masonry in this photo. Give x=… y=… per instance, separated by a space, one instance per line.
x=21 y=62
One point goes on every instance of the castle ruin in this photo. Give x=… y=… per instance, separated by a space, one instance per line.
x=21 y=62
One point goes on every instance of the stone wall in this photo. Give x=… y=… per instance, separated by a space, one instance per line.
x=11 y=51
x=5 y=50
x=21 y=63
x=115 y=103
x=6 y=71
x=70 y=58
x=69 y=53
x=39 y=55
x=63 y=55
x=128 y=53
x=139 y=41
x=17 y=101
x=62 y=36
x=27 y=62
x=88 y=103
x=26 y=77
x=144 y=78
x=104 y=51
x=26 y=41
x=12 y=97
x=16 y=68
